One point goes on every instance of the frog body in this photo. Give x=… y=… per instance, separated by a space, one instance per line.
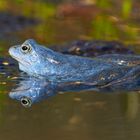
x=39 y=61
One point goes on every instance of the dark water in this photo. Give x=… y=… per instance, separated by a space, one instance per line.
x=73 y=115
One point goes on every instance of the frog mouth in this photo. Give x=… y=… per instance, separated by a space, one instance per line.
x=20 y=61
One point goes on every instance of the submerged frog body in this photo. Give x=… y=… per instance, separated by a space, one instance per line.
x=37 y=60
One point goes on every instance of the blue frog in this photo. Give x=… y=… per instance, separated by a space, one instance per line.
x=40 y=61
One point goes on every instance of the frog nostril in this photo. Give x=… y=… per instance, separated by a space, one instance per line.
x=16 y=46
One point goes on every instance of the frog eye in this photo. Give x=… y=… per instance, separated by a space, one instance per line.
x=26 y=48
x=26 y=102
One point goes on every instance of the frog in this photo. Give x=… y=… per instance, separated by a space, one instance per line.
x=40 y=61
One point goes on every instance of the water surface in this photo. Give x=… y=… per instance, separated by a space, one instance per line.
x=73 y=115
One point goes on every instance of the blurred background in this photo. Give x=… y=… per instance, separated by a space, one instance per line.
x=59 y=21
x=70 y=116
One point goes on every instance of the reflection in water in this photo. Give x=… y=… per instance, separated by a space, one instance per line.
x=31 y=89
x=131 y=105
x=5 y=72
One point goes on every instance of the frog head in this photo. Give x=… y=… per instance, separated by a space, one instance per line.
x=33 y=58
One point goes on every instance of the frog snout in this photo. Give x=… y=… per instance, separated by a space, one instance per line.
x=11 y=50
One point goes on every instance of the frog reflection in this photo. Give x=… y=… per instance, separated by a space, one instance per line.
x=32 y=90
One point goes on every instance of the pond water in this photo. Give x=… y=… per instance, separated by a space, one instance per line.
x=85 y=115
